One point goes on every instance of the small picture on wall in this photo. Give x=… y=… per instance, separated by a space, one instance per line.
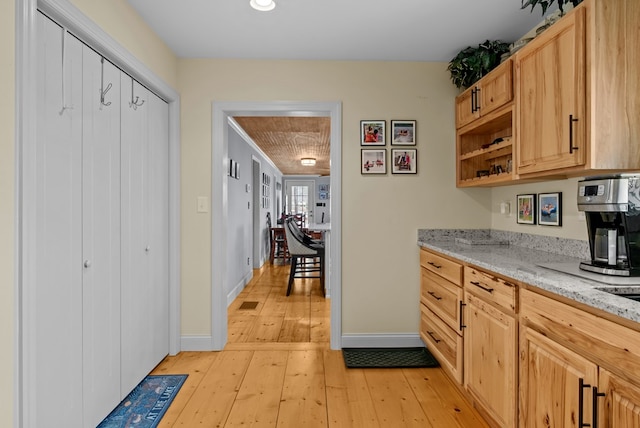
x=372 y=133
x=526 y=209
x=405 y=161
x=403 y=132
x=373 y=161
x=550 y=209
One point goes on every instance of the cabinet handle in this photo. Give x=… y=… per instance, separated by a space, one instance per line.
x=462 y=305
x=581 y=387
x=473 y=100
x=571 y=146
x=433 y=336
x=477 y=284
x=434 y=295
x=596 y=394
x=477 y=103
x=434 y=265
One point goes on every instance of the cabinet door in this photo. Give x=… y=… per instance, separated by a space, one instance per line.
x=490 y=359
x=550 y=383
x=497 y=88
x=100 y=237
x=467 y=107
x=551 y=118
x=621 y=405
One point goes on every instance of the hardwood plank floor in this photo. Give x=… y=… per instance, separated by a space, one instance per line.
x=277 y=371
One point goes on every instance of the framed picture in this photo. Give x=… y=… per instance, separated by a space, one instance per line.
x=403 y=132
x=550 y=209
x=372 y=132
x=405 y=161
x=373 y=161
x=526 y=209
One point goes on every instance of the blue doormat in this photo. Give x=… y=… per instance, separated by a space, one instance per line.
x=146 y=404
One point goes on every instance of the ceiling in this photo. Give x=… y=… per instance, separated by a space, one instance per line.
x=355 y=30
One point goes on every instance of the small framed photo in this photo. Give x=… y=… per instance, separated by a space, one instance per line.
x=372 y=133
x=550 y=209
x=405 y=161
x=403 y=132
x=526 y=209
x=373 y=161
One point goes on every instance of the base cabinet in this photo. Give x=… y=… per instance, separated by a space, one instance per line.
x=490 y=359
x=619 y=406
x=555 y=384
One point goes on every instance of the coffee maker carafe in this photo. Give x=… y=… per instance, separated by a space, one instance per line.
x=612 y=211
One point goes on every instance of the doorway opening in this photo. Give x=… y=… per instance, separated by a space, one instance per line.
x=222 y=113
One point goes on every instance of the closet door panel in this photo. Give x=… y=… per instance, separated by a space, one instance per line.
x=101 y=237
x=136 y=299
x=56 y=388
x=158 y=214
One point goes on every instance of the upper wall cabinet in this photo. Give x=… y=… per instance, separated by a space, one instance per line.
x=577 y=93
x=484 y=116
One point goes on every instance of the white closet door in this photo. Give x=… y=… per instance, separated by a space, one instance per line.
x=158 y=214
x=101 y=237
x=145 y=225
x=56 y=387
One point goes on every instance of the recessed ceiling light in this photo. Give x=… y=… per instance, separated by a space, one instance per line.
x=263 y=5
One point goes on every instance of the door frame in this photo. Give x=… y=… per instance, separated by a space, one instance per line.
x=222 y=113
x=68 y=15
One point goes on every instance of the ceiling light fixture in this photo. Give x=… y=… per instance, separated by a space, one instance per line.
x=263 y=5
x=308 y=161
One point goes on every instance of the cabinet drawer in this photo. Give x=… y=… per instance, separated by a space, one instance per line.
x=442 y=342
x=446 y=268
x=490 y=288
x=442 y=297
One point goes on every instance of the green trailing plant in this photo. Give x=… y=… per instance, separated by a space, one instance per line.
x=470 y=64
x=544 y=4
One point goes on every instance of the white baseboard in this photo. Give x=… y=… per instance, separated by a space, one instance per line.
x=399 y=340
x=239 y=287
x=196 y=343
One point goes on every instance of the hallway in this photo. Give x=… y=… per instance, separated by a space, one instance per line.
x=278 y=371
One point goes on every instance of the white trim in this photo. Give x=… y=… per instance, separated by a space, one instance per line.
x=195 y=343
x=397 y=340
x=72 y=18
x=235 y=292
x=219 y=160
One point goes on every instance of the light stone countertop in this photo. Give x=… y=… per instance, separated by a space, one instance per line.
x=520 y=260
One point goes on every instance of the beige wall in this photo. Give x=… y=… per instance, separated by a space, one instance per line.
x=7 y=205
x=573 y=225
x=381 y=214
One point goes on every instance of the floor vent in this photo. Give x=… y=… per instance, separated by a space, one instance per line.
x=248 y=305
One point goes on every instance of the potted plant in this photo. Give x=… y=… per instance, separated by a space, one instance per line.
x=470 y=64
x=544 y=4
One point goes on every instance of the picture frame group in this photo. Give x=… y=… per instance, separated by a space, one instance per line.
x=402 y=160
x=545 y=209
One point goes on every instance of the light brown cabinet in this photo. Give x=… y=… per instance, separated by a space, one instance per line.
x=576 y=92
x=576 y=367
x=491 y=344
x=484 y=116
x=440 y=310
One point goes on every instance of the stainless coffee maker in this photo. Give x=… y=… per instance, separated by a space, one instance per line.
x=611 y=205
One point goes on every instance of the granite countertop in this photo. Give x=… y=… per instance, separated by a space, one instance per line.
x=519 y=256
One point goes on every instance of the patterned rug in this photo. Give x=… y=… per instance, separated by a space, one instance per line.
x=388 y=357
x=145 y=406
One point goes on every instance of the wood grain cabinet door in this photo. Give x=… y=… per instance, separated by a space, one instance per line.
x=620 y=405
x=551 y=80
x=551 y=377
x=490 y=359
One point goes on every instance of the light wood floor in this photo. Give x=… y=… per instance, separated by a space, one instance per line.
x=277 y=371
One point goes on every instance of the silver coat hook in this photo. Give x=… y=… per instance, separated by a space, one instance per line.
x=103 y=90
x=135 y=103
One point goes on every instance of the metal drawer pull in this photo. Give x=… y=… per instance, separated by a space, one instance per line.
x=434 y=295
x=430 y=333
x=581 y=387
x=596 y=394
x=462 y=305
x=434 y=265
x=477 y=284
